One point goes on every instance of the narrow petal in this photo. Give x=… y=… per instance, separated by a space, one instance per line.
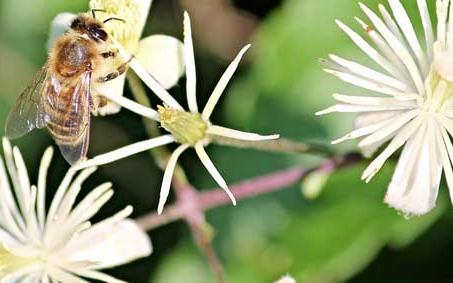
x=110 y=245
x=372 y=53
x=133 y=106
x=408 y=30
x=446 y=154
x=199 y=148
x=348 y=108
x=393 y=127
x=398 y=47
x=168 y=175
x=366 y=129
x=96 y=275
x=42 y=184
x=72 y=193
x=189 y=57
x=163 y=57
x=148 y=79
x=126 y=151
x=364 y=82
x=366 y=72
x=239 y=135
x=374 y=101
x=382 y=45
x=442 y=14
x=415 y=184
x=223 y=82
x=58 y=275
x=427 y=27
x=403 y=135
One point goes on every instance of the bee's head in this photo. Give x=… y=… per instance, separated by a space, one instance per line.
x=89 y=26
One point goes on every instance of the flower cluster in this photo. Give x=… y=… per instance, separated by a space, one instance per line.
x=188 y=128
x=414 y=105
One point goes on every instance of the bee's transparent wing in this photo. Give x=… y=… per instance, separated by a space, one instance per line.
x=77 y=121
x=27 y=113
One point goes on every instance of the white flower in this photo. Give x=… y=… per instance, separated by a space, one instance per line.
x=286 y=279
x=161 y=55
x=413 y=108
x=61 y=246
x=190 y=129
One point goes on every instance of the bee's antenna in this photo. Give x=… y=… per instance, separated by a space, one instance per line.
x=93 y=12
x=114 y=19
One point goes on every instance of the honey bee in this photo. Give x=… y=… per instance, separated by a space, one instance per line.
x=59 y=96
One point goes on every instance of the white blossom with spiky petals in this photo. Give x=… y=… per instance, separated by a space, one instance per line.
x=189 y=128
x=414 y=108
x=60 y=245
x=161 y=55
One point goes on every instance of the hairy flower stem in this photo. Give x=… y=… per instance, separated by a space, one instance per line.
x=209 y=199
x=279 y=145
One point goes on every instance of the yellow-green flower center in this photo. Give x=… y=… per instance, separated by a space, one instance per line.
x=11 y=263
x=128 y=33
x=187 y=128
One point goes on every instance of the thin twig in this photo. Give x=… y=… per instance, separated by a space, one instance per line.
x=272 y=182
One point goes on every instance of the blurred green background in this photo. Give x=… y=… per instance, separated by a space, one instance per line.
x=346 y=234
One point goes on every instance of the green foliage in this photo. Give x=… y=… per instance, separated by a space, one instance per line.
x=326 y=240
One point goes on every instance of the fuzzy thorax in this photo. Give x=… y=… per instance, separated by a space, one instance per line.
x=187 y=128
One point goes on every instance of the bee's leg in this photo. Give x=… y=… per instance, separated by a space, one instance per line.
x=113 y=75
x=108 y=54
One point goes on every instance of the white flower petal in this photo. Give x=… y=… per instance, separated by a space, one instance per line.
x=168 y=175
x=163 y=57
x=405 y=24
x=113 y=90
x=388 y=65
x=42 y=182
x=58 y=275
x=401 y=137
x=96 y=275
x=427 y=27
x=366 y=72
x=393 y=127
x=189 y=58
x=199 y=148
x=110 y=245
x=223 y=82
x=60 y=24
x=148 y=79
x=442 y=14
x=361 y=108
x=364 y=82
x=235 y=134
x=373 y=101
x=446 y=154
x=126 y=151
x=367 y=127
x=131 y=105
x=415 y=183
x=398 y=47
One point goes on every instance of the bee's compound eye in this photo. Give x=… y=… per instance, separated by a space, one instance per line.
x=98 y=33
